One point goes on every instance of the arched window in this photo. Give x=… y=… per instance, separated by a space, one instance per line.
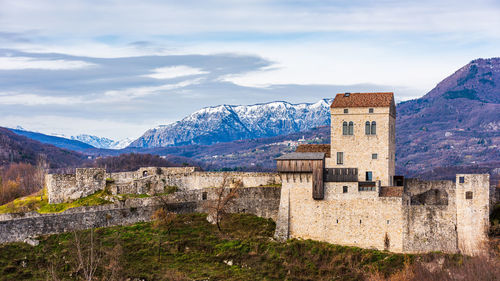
x=351 y=128
x=344 y=129
x=374 y=128
x=367 y=127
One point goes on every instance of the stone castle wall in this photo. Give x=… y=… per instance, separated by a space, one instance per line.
x=263 y=202
x=150 y=180
x=428 y=216
x=356 y=218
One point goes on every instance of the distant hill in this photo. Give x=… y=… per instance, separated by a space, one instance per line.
x=101 y=142
x=56 y=141
x=16 y=148
x=80 y=142
x=226 y=123
x=456 y=124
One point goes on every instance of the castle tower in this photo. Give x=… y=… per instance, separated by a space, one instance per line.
x=363 y=135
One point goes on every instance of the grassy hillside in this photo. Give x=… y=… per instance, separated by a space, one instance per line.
x=189 y=248
x=193 y=250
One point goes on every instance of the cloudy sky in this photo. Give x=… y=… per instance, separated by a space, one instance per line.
x=117 y=68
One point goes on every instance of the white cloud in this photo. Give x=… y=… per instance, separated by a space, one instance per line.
x=17 y=63
x=33 y=100
x=138 y=92
x=175 y=71
x=112 y=96
x=181 y=17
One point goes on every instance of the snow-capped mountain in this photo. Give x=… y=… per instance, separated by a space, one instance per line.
x=225 y=123
x=82 y=141
x=101 y=142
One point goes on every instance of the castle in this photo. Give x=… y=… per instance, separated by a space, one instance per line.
x=344 y=193
x=347 y=193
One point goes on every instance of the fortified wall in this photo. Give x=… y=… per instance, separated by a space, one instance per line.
x=260 y=201
x=415 y=217
x=150 y=180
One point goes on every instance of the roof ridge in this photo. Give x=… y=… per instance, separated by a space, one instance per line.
x=368 y=99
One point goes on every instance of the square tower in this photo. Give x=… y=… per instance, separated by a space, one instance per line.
x=363 y=135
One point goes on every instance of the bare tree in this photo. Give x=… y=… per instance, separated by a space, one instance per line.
x=163 y=219
x=88 y=257
x=219 y=208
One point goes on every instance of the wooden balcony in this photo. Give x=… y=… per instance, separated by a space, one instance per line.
x=341 y=175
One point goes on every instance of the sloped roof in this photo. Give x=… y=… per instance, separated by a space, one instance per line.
x=363 y=100
x=302 y=156
x=325 y=148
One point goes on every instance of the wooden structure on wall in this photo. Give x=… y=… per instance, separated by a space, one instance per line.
x=306 y=162
x=341 y=174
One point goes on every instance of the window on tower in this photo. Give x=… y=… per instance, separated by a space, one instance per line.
x=351 y=128
x=340 y=158
x=369 y=176
x=345 y=129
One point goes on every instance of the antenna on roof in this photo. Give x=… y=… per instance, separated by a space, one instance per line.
x=347 y=94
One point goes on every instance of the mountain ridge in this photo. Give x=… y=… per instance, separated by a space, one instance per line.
x=225 y=122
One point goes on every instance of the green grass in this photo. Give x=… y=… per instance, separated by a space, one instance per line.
x=91 y=200
x=37 y=202
x=195 y=250
x=25 y=204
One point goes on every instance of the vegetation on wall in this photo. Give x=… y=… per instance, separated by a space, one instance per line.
x=38 y=202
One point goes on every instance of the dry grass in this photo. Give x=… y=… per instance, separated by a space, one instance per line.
x=485 y=267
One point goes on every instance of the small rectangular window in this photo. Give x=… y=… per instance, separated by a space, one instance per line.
x=346 y=110
x=345 y=189
x=204 y=196
x=461 y=179
x=370 y=110
x=374 y=156
x=369 y=176
x=340 y=158
x=468 y=195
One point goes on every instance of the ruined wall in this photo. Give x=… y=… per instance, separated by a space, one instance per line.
x=61 y=187
x=430 y=216
x=150 y=180
x=472 y=200
x=262 y=202
x=357 y=218
x=64 y=188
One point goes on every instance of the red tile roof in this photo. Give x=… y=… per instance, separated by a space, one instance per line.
x=325 y=148
x=363 y=100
